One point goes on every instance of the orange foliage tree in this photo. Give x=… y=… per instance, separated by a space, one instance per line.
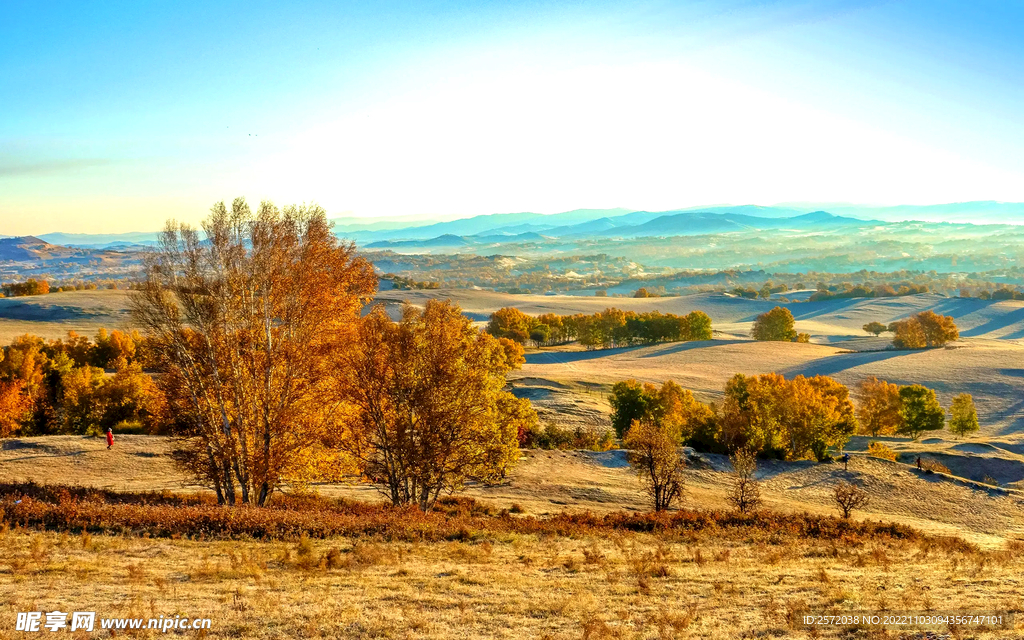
x=925 y=329
x=246 y=325
x=879 y=410
x=792 y=419
x=775 y=325
x=430 y=409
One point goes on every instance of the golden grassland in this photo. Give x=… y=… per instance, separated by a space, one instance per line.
x=621 y=585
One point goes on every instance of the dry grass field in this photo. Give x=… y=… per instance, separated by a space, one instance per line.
x=625 y=586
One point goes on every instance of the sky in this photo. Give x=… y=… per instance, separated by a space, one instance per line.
x=115 y=117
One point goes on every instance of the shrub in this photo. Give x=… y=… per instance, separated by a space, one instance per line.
x=848 y=497
x=746 y=492
x=880 y=450
x=933 y=465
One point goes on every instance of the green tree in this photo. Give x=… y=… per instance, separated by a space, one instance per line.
x=919 y=411
x=963 y=417
x=876 y=328
x=775 y=325
x=630 y=401
x=540 y=333
x=699 y=325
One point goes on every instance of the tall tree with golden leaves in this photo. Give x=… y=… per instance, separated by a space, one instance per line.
x=879 y=410
x=246 y=320
x=429 y=404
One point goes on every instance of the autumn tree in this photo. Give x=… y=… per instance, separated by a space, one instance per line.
x=938 y=330
x=654 y=453
x=879 y=409
x=790 y=419
x=15 y=404
x=774 y=325
x=746 y=491
x=15 y=408
x=919 y=411
x=131 y=397
x=429 y=409
x=963 y=417
x=113 y=345
x=246 y=321
x=908 y=334
x=559 y=327
x=876 y=328
x=511 y=323
x=925 y=329
x=694 y=421
x=848 y=497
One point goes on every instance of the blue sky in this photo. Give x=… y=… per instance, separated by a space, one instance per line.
x=117 y=116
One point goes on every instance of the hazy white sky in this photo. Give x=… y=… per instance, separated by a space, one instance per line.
x=116 y=118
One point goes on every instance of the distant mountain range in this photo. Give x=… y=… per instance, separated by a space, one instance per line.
x=500 y=228
x=636 y=224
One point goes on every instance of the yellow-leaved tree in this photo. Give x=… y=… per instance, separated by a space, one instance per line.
x=245 y=322
x=429 y=409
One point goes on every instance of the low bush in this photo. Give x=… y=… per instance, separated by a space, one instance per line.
x=552 y=436
x=880 y=450
x=77 y=510
x=933 y=465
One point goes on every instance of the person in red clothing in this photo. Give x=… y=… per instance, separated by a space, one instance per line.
x=110 y=437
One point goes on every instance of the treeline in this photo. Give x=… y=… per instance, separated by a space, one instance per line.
x=791 y=419
x=400 y=282
x=778 y=418
x=33 y=287
x=30 y=287
x=60 y=386
x=1002 y=293
x=868 y=291
x=609 y=328
x=833 y=292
